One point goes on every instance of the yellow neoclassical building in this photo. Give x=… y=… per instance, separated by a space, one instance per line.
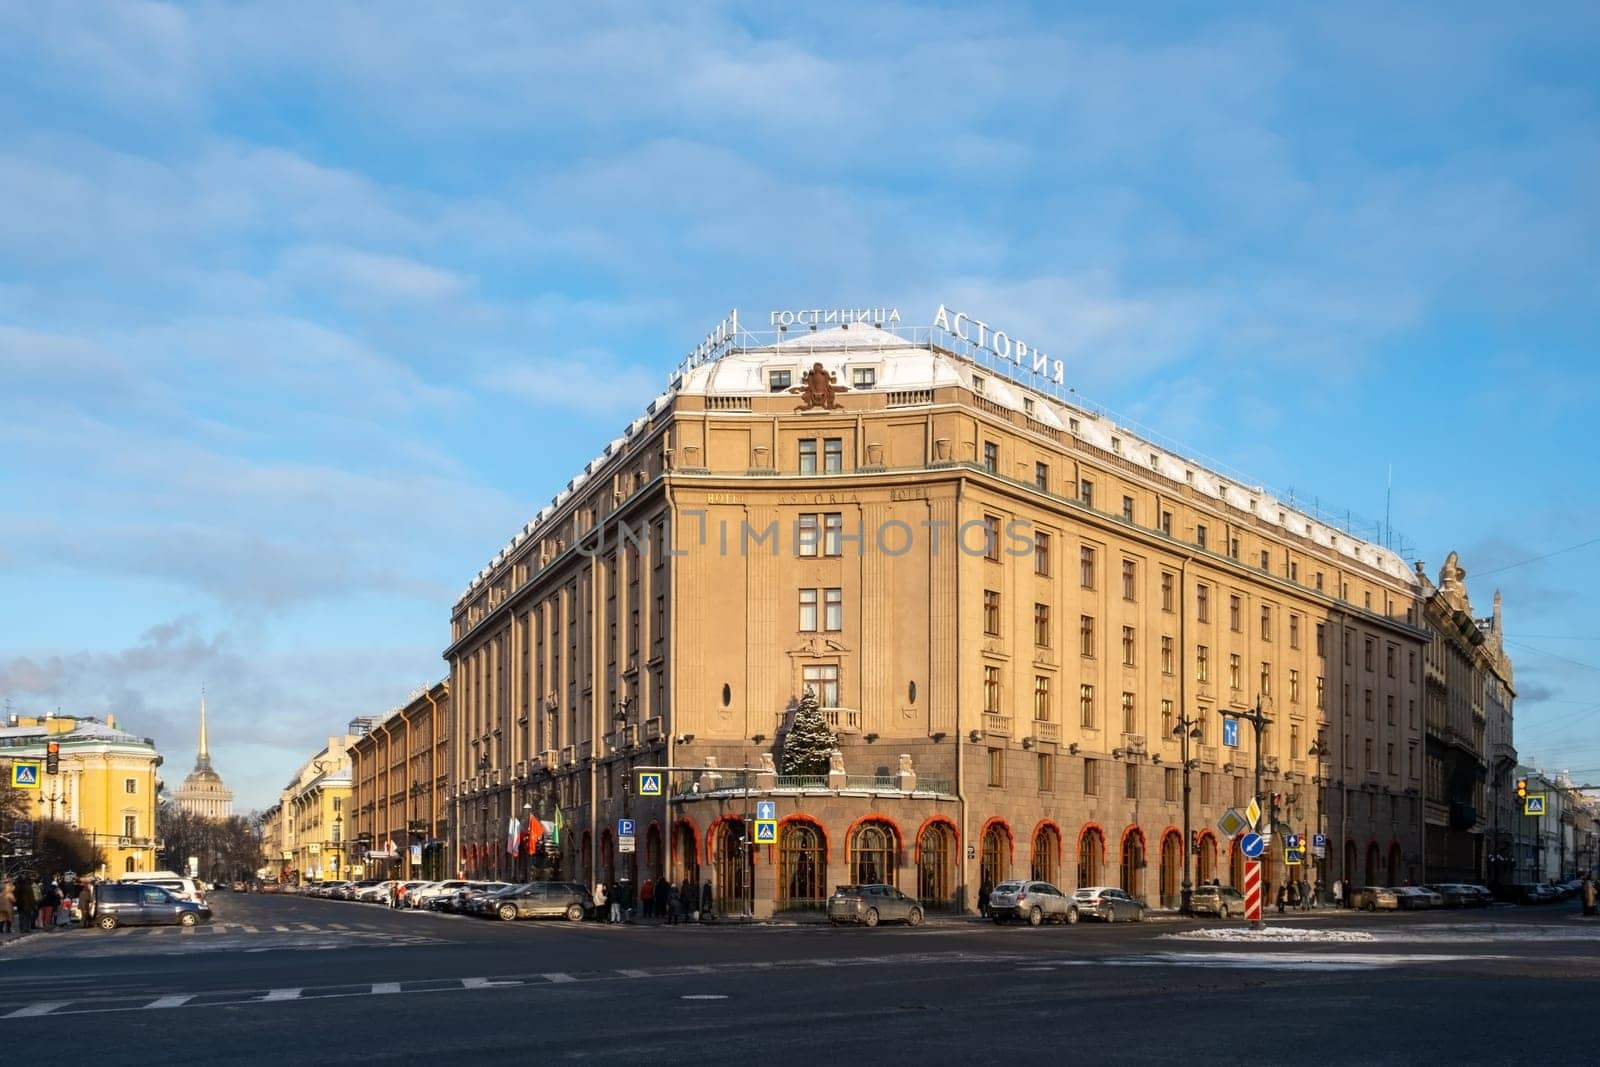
x=1021 y=619
x=305 y=834
x=106 y=782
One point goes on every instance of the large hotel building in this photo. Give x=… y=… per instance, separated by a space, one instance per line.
x=1008 y=607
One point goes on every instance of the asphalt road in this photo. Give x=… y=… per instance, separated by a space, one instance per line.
x=288 y=979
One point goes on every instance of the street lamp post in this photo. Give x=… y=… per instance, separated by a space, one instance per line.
x=1259 y=721
x=1187 y=727
x=1319 y=752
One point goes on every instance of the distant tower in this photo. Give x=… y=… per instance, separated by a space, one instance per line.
x=203 y=792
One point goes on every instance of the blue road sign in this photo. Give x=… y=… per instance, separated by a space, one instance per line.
x=1294 y=857
x=649 y=784
x=1291 y=840
x=624 y=827
x=1319 y=840
x=766 y=810
x=1252 y=846
x=1230 y=732
x=766 y=833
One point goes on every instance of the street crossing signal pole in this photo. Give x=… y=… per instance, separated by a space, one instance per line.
x=1259 y=722
x=1187 y=726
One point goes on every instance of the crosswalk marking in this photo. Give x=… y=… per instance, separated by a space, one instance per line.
x=175 y=1001
x=281 y=929
x=385 y=987
x=634 y=974
x=558 y=977
x=282 y=994
x=44 y=1007
x=486 y=983
x=249 y=929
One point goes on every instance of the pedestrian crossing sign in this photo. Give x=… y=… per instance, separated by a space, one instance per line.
x=26 y=776
x=649 y=783
x=766 y=832
x=1533 y=804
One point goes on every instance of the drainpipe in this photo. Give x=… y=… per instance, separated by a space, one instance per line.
x=960 y=740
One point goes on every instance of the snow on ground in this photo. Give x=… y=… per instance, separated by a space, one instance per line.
x=1273 y=935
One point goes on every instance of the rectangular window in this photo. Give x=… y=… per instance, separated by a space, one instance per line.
x=1042 y=711
x=1294 y=571
x=1393 y=767
x=997 y=767
x=1234 y=672
x=1202 y=663
x=1130 y=580
x=1166 y=590
x=130 y=785
x=1169 y=785
x=991 y=538
x=1366 y=703
x=1392 y=655
x=1168 y=723
x=1086 y=706
x=833 y=609
x=1266 y=623
x=1233 y=548
x=778 y=381
x=1047 y=772
x=1294 y=632
x=1167 y=656
x=1041 y=475
x=833 y=454
x=1129 y=647
x=1200 y=535
x=808 y=534
x=1235 y=614
x=1130 y=780
x=1294 y=686
x=1346 y=635
x=1388 y=709
x=1130 y=718
x=1202 y=603
x=863 y=377
x=1205 y=788
x=808 y=610
x=1322 y=693
x=1091 y=777
x=823 y=680
x=1266 y=680
x=1166 y=523
x=1266 y=560
x=808 y=455
x=1041 y=554
x=1086 y=635
x=1367 y=754
x=130 y=826
x=991 y=690
x=1086 y=493
x=991 y=612
x=1086 y=567
x=1367 y=653
x=991 y=457
x=1322 y=640
x=1127 y=508
x=1238 y=793
x=1041 y=625
x=1319 y=581
x=1411 y=666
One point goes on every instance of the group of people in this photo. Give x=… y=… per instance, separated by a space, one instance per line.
x=28 y=903
x=657 y=898
x=1301 y=895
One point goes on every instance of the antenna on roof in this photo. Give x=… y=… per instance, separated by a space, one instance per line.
x=1388 y=495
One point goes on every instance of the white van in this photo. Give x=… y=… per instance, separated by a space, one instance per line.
x=180 y=886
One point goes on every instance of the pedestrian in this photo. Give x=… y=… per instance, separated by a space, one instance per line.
x=647 y=895
x=86 y=902
x=672 y=905
x=705 y=901
x=49 y=900
x=27 y=896
x=1305 y=895
x=984 y=889
x=614 y=895
x=1588 y=896
x=1319 y=893
x=689 y=896
x=1338 y=892
x=1283 y=896
x=8 y=905
x=600 y=901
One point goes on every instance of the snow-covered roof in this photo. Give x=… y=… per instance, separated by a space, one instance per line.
x=903 y=363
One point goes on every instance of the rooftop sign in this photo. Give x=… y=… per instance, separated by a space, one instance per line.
x=721 y=335
x=814 y=317
x=999 y=345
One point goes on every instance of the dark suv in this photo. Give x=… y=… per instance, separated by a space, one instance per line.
x=539 y=899
x=139 y=904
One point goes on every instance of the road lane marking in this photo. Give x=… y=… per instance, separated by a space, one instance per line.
x=634 y=974
x=281 y=994
x=558 y=977
x=486 y=983
x=249 y=929
x=385 y=987
x=281 y=929
x=44 y=1007
x=175 y=1001
x=704 y=996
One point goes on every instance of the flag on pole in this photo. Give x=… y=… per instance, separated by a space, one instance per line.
x=532 y=833
x=561 y=824
x=513 y=832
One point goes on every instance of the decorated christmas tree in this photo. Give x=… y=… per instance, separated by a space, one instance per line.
x=809 y=741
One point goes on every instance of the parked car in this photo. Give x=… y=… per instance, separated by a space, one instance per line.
x=1223 y=901
x=177 y=884
x=1037 y=902
x=871 y=904
x=1108 y=903
x=349 y=891
x=1416 y=897
x=425 y=895
x=240 y=887
x=142 y=904
x=465 y=901
x=1375 y=898
x=536 y=900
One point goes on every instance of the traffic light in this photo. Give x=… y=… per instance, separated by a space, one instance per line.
x=52 y=758
x=1522 y=788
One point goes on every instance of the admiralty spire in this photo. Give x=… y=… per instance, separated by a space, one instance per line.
x=203 y=792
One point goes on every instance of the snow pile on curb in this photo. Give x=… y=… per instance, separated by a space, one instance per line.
x=1274 y=935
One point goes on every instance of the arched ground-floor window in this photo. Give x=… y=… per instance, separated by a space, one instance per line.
x=1372 y=864
x=1171 y=869
x=802 y=866
x=1206 y=861
x=1046 y=854
x=995 y=862
x=1395 y=864
x=733 y=864
x=936 y=865
x=874 y=854
x=1091 y=857
x=1133 y=862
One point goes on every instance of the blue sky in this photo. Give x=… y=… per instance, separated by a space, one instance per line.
x=305 y=308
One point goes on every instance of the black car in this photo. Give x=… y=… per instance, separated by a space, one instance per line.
x=137 y=904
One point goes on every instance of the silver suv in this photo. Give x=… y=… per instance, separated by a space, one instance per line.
x=1037 y=902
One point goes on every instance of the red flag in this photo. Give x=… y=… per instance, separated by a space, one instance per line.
x=532 y=833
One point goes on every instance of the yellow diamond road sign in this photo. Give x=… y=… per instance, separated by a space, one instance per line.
x=1232 y=823
x=1253 y=813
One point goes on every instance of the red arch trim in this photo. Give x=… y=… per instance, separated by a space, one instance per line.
x=694 y=836
x=955 y=835
x=1083 y=833
x=1208 y=834
x=1011 y=841
x=711 y=832
x=809 y=820
x=1171 y=831
x=850 y=834
x=1130 y=831
x=1050 y=824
